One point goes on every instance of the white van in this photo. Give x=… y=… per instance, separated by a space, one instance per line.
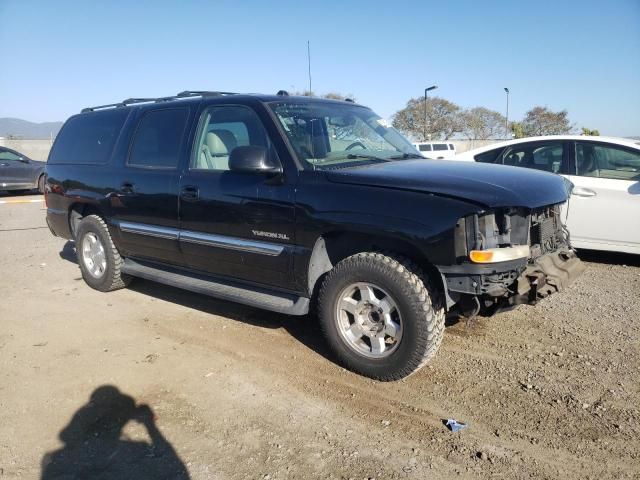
x=437 y=150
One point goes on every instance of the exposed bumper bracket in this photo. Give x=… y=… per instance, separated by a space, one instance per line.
x=548 y=274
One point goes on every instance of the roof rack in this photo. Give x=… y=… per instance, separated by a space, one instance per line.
x=203 y=93
x=181 y=95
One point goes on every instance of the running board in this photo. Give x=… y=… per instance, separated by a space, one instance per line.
x=219 y=288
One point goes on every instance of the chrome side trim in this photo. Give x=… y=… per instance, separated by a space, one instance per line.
x=232 y=243
x=207 y=239
x=149 y=230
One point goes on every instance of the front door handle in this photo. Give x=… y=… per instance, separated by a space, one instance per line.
x=127 y=187
x=4 y=164
x=583 y=192
x=190 y=193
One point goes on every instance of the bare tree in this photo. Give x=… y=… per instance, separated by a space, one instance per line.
x=338 y=96
x=330 y=95
x=443 y=118
x=542 y=121
x=480 y=123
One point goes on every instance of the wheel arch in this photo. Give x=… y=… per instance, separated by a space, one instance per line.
x=79 y=210
x=334 y=246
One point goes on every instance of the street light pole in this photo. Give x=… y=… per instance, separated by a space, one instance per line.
x=506 y=122
x=424 y=128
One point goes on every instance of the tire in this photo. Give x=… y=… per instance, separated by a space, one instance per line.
x=418 y=308
x=99 y=259
x=41 y=184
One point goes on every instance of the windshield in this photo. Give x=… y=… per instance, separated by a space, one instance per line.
x=332 y=135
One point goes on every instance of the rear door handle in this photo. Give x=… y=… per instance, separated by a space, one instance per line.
x=583 y=192
x=4 y=164
x=190 y=193
x=127 y=187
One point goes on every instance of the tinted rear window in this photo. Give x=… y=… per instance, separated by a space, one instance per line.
x=440 y=146
x=158 y=138
x=88 y=138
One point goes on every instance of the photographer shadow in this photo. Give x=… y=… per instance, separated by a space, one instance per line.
x=94 y=447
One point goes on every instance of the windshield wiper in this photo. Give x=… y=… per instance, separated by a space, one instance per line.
x=404 y=156
x=353 y=156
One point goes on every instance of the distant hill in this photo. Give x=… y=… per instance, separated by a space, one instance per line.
x=24 y=129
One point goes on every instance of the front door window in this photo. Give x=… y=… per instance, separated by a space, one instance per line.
x=222 y=130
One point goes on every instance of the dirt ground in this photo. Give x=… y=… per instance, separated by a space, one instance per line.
x=182 y=385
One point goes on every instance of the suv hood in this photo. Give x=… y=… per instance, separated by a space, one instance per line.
x=485 y=184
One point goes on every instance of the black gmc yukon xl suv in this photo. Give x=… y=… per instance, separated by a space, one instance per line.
x=282 y=202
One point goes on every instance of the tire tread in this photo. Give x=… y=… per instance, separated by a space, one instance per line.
x=425 y=299
x=117 y=279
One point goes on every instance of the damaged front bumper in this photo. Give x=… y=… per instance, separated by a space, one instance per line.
x=547 y=274
x=506 y=284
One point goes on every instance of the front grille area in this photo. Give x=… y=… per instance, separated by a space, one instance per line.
x=547 y=233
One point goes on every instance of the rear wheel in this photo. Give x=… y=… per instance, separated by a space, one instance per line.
x=380 y=315
x=99 y=259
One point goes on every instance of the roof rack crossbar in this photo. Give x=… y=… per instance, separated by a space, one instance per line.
x=131 y=101
x=100 y=107
x=203 y=93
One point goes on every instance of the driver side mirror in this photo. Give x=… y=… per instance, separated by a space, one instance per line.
x=253 y=159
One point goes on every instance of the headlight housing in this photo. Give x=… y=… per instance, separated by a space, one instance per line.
x=493 y=236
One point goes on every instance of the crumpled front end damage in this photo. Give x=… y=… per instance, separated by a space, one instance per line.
x=549 y=264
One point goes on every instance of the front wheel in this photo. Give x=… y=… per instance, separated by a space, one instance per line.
x=381 y=316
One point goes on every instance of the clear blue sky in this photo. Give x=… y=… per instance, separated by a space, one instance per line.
x=583 y=56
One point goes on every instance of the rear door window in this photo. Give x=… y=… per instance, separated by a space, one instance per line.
x=88 y=138
x=439 y=146
x=158 y=138
x=604 y=161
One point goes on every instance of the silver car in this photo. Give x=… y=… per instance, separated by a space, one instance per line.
x=20 y=173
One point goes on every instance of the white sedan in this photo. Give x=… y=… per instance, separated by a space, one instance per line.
x=604 y=209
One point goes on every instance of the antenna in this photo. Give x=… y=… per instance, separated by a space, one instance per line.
x=309 y=64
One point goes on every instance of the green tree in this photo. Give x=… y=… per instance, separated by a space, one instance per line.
x=480 y=123
x=588 y=132
x=542 y=121
x=443 y=119
x=517 y=130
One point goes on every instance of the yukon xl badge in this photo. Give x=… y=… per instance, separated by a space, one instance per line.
x=279 y=236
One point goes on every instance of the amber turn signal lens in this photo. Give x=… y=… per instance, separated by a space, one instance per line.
x=501 y=254
x=481 y=256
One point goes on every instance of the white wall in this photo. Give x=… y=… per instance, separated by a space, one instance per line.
x=466 y=145
x=35 y=149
